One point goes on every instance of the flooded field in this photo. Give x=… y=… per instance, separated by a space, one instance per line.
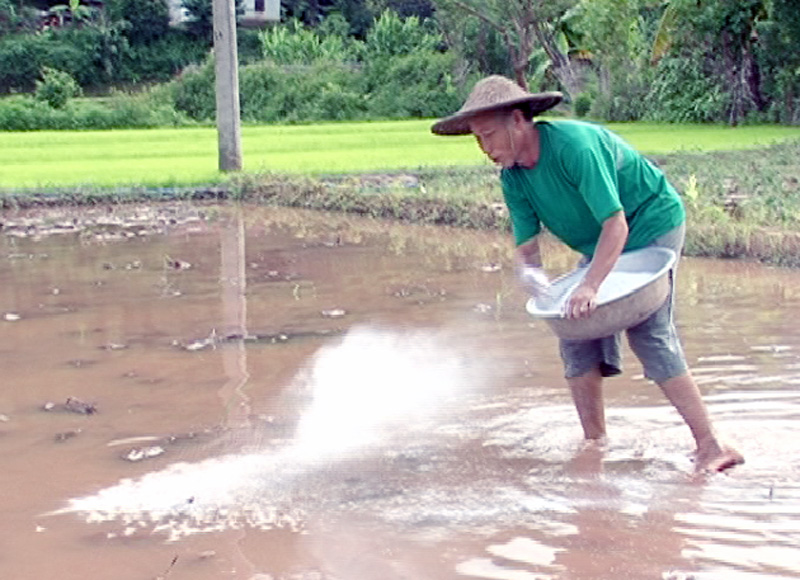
x=205 y=392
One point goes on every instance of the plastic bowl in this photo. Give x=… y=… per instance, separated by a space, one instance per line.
x=635 y=288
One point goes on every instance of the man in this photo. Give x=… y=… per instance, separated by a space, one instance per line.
x=600 y=197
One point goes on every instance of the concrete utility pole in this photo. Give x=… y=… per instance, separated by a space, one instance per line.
x=226 y=66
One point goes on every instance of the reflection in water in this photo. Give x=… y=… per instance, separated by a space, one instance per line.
x=522 y=550
x=423 y=432
x=234 y=317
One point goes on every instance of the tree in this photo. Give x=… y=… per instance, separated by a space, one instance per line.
x=8 y=17
x=526 y=25
x=723 y=37
x=200 y=21
x=422 y=9
x=614 y=37
x=479 y=48
x=146 y=20
x=779 y=37
x=359 y=14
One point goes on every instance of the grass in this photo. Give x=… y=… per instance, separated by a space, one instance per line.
x=741 y=185
x=188 y=156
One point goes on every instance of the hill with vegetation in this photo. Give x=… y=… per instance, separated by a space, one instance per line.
x=730 y=62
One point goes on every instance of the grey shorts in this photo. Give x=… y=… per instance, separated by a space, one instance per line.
x=654 y=342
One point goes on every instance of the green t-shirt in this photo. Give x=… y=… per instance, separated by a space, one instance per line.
x=585 y=174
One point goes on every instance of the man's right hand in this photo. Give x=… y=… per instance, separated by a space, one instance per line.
x=534 y=281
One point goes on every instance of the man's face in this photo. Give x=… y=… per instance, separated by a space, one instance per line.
x=494 y=135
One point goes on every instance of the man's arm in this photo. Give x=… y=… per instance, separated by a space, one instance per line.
x=609 y=246
x=528 y=253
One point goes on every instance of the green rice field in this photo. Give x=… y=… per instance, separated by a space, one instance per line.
x=188 y=156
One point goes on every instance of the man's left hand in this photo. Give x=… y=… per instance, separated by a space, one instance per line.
x=581 y=303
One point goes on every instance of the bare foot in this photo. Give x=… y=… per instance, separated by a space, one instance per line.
x=588 y=459
x=716 y=458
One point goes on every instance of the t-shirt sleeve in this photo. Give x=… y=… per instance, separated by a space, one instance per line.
x=524 y=219
x=595 y=171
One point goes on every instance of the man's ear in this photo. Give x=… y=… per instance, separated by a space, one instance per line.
x=517 y=117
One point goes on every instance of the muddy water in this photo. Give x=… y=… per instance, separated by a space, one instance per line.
x=274 y=394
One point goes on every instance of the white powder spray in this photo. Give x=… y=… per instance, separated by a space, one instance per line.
x=374 y=382
x=363 y=390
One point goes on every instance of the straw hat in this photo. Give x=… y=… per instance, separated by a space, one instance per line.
x=493 y=93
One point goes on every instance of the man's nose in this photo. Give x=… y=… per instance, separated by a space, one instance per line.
x=483 y=146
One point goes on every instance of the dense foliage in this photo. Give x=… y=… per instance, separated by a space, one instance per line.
x=615 y=60
x=396 y=72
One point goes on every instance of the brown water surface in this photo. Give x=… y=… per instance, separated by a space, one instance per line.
x=285 y=395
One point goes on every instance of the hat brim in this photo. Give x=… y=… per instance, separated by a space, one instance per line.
x=458 y=123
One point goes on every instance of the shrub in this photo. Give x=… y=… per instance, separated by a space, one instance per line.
x=194 y=92
x=260 y=93
x=418 y=84
x=270 y=93
x=392 y=36
x=340 y=104
x=293 y=44
x=248 y=45
x=22 y=113
x=120 y=111
x=56 y=88
x=405 y=75
x=90 y=55
x=308 y=76
x=150 y=109
x=161 y=59
x=582 y=104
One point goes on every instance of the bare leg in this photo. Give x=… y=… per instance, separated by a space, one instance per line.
x=712 y=455
x=587 y=394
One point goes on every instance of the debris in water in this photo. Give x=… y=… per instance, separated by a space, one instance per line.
x=199 y=345
x=80 y=363
x=168 y=570
x=210 y=341
x=114 y=346
x=72 y=405
x=176 y=264
x=334 y=313
x=140 y=453
x=130 y=440
x=67 y=435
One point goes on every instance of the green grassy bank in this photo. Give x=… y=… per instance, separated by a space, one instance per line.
x=741 y=185
x=186 y=156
